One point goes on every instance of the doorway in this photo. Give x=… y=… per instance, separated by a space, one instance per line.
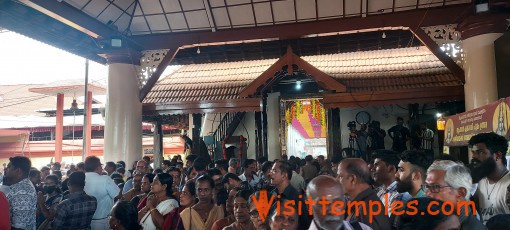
x=303 y=127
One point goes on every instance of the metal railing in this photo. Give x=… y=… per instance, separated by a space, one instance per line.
x=226 y=128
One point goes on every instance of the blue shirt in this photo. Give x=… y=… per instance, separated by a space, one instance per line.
x=104 y=190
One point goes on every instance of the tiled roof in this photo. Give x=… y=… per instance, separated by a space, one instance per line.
x=379 y=70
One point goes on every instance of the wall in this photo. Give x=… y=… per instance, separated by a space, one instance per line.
x=387 y=115
x=295 y=142
x=210 y=123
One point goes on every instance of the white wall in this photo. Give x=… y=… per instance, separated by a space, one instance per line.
x=295 y=142
x=210 y=123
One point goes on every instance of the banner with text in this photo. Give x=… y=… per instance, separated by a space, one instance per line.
x=494 y=117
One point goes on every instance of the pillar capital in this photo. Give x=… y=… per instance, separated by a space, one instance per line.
x=122 y=55
x=479 y=24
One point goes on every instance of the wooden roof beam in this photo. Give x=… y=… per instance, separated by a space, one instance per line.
x=65 y=13
x=423 y=17
x=457 y=71
x=289 y=59
x=420 y=95
x=75 y=18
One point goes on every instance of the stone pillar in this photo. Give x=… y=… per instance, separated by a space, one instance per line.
x=478 y=35
x=123 y=124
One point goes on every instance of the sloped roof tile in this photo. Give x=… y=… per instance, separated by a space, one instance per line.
x=360 y=71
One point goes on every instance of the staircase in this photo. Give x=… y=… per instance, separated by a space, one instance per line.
x=226 y=128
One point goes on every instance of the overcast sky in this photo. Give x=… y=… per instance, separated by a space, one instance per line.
x=27 y=61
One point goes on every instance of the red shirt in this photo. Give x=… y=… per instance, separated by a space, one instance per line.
x=5 y=223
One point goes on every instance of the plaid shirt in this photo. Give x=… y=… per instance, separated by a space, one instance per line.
x=392 y=193
x=75 y=212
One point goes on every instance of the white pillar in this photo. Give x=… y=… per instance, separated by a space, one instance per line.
x=123 y=125
x=273 y=126
x=480 y=70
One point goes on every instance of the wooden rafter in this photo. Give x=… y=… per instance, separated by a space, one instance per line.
x=434 y=16
x=219 y=106
x=290 y=58
x=441 y=55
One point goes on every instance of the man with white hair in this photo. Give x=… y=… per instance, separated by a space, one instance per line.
x=233 y=165
x=451 y=182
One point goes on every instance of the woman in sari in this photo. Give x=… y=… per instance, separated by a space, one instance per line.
x=203 y=214
x=159 y=203
x=241 y=212
x=254 y=213
x=187 y=198
x=229 y=207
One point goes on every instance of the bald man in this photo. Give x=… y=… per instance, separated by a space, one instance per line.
x=332 y=191
x=354 y=175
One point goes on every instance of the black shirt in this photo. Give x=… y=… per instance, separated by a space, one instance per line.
x=290 y=193
x=379 y=221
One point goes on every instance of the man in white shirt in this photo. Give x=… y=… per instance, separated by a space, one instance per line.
x=103 y=189
x=250 y=171
x=297 y=181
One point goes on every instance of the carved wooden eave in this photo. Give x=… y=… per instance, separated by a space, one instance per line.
x=290 y=58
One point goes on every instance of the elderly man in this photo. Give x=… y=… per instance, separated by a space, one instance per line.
x=354 y=175
x=102 y=188
x=136 y=190
x=450 y=182
x=233 y=166
x=327 y=188
x=142 y=167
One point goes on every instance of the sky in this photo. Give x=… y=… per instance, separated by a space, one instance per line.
x=27 y=61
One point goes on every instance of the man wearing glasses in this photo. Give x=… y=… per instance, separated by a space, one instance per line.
x=450 y=182
x=142 y=167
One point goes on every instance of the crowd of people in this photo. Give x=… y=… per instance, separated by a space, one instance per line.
x=406 y=190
